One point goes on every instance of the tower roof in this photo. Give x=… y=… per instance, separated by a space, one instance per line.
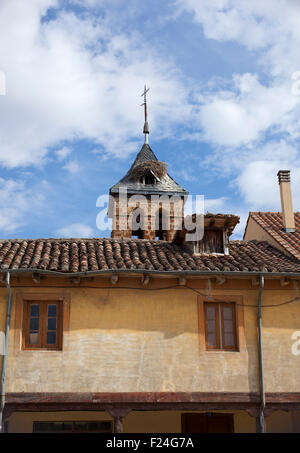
x=163 y=185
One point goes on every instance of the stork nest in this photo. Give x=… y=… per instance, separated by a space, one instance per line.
x=158 y=168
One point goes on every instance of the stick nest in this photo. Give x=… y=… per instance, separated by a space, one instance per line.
x=158 y=168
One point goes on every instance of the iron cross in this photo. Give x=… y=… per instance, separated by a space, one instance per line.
x=145 y=101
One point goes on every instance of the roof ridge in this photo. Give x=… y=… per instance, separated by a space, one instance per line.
x=270 y=212
x=94 y=239
x=273 y=225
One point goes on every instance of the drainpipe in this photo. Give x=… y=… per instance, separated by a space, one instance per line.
x=2 y=403
x=261 y=421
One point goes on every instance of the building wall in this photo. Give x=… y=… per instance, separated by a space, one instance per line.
x=148 y=341
x=155 y=422
x=255 y=231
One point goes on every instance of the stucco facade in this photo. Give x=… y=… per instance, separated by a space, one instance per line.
x=148 y=340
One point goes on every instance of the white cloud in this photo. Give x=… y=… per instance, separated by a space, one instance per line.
x=214 y=204
x=17 y=202
x=75 y=230
x=71 y=78
x=63 y=153
x=254 y=123
x=72 y=167
x=249 y=110
x=270 y=24
x=258 y=184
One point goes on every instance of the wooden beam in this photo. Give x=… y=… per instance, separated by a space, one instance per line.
x=255 y=281
x=284 y=281
x=145 y=280
x=212 y=222
x=182 y=281
x=142 y=397
x=118 y=414
x=36 y=278
x=114 y=279
x=227 y=224
x=220 y=280
x=288 y=400
x=75 y=280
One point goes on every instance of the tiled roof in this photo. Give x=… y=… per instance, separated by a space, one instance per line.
x=94 y=255
x=272 y=223
x=165 y=185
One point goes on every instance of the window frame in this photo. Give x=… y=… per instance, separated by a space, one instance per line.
x=43 y=318
x=220 y=334
x=65 y=303
x=239 y=322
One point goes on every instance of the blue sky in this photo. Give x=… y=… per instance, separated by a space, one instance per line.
x=223 y=104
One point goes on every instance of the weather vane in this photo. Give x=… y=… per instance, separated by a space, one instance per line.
x=146 y=125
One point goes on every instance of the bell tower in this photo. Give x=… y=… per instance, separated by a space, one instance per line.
x=146 y=203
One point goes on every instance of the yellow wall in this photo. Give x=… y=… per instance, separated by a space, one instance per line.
x=155 y=422
x=255 y=231
x=147 y=341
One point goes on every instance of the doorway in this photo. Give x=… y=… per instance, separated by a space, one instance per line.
x=207 y=423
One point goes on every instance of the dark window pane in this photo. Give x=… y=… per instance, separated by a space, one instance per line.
x=34 y=324
x=211 y=326
x=228 y=326
x=39 y=427
x=93 y=426
x=44 y=427
x=80 y=426
x=68 y=426
x=33 y=338
x=227 y=312
x=211 y=339
x=104 y=427
x=57 y=426
x=211 y=312
x=52 y=310
x=34 y=310
x=51 y=338
x=229 y=339
x=51 y=324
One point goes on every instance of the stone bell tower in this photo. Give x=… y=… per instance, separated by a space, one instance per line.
x=146 y=203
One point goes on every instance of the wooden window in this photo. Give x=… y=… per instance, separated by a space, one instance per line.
x=212 y=242
x=73 y=427
x=148 y=178
x=220 y=326
x=42 y=325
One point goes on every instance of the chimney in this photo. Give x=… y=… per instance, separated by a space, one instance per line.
x=286 y=201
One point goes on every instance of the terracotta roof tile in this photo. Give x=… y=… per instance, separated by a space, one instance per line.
x=273 y=224
x=82 y=255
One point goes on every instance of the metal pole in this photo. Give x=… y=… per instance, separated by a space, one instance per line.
x=261 y=424
x=2 y=403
